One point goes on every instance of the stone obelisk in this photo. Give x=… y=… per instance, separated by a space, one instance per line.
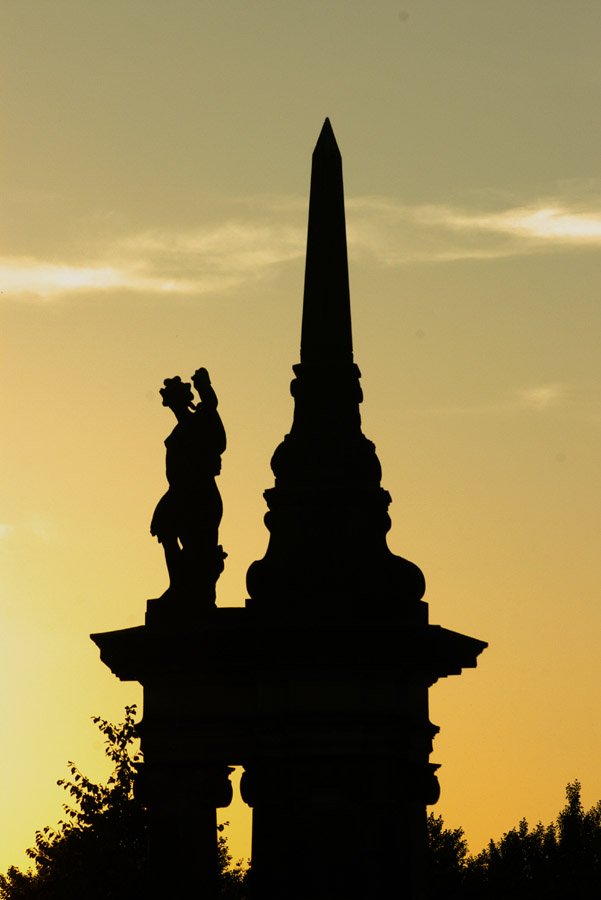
x=328 y=513
x=343 y=766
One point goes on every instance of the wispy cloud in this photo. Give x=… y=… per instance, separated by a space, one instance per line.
x=268 y=232
x=541 y=397
x=553 y=224
x=531 y=399
x=397 y=233
x=209 y=260
x=223 y=255
x=32 y=276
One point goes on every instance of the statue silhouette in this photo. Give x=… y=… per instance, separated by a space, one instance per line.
x=186 y=519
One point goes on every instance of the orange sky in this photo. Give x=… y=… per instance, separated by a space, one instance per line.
x=155 y=166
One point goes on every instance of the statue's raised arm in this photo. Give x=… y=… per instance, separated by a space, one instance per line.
x=206 y=415
x=186 y=519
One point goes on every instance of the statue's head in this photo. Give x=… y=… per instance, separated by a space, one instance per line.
x=177 y=393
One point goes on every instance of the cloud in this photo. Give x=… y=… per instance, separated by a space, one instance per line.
x=47 y=279
x=268 y=232
x=542 y=397
x=551 y=225
x=529 y=399
x=209 y=260
x=397 y=233
x=224 y=254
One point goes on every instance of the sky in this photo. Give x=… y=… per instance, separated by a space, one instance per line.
x=155 y=164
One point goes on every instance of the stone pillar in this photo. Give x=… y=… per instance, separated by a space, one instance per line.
x=182 y=842
x=346 y=829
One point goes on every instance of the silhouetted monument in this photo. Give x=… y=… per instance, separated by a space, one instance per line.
x=319 y=686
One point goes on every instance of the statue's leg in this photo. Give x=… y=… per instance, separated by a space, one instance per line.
x=174 y=560
x=165 y=527
x=202 y=558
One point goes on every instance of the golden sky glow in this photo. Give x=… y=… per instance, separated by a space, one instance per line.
x=155 y=166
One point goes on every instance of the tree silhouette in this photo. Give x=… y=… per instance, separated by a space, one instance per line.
x=552 y=862
x=446 y=859
x=98 y=852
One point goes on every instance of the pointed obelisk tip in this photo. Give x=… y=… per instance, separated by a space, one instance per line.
x=326 y=140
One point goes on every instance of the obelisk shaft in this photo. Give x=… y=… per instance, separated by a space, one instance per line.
x=326 y=331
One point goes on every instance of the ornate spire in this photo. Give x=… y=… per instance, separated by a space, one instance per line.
x=328 y=514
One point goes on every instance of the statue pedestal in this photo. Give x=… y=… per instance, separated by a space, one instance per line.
x=330 y=721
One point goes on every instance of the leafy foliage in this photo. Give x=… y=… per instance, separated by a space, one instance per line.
x=98 y=852
x=446 y=860
x=233 y=879
x=559 y=860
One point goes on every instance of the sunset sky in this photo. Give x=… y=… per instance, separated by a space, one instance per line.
x=155 y=166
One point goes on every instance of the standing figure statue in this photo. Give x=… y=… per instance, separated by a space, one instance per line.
x=186 y=519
